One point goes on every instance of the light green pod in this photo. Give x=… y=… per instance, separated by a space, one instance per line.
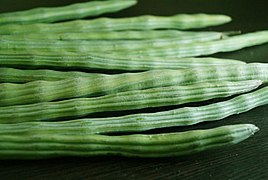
x=118 y=35
x=43 y=91
x=139 y=99
x=73 y=11
x=103 y=45
x=164 y=48
x=62 y=61
x=147 y=22
x=35 y=145
x=141 y=122
x=11 y=75
x=197 y=48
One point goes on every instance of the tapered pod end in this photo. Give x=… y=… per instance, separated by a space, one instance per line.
x=243 y=131
x=225 y=18
x=219 y=19
x=129 y=3
x=252 y=128
x=256 y=83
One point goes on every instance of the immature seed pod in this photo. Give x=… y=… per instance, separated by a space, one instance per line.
x=147 y=22
x=37 y=145
x=43 y=91
x=102 y=45
x=118 y=35
x=11 y=75
x=165 y=48
x=62 y=60
x=139 y=99
x=197 y=48
x=73 y=11
x=146 y=121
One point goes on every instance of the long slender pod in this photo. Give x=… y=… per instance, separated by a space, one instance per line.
x=147 y=22
x=43 y=91
x=117 y=35
x=129 y=49
x=11 y=75
x=139 y=99
x=73 y=11
x=103 y=45
x=64 y=60
x=198 y=48
x=141 y=122
x=32 y=145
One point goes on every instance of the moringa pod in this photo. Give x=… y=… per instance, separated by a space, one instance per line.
x=145 y=22
x=73 y=11
x=43 y=91
x=39 y=145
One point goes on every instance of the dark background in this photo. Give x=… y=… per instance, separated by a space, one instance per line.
x=247 y=160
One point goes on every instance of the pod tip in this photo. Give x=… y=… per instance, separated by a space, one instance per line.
x=252 y=128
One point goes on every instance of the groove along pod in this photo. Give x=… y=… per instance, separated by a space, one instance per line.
x=63 y=60
x=117 y=35
x=73 y=11
x=43 y=91
x=141 y=122
x=148 y=48
x=31 y=145
x=196 y=48
x=11 y=75
x=139 y=99
x=103 y=45
x=147 y=22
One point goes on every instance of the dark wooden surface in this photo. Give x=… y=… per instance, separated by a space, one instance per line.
x=247 y=160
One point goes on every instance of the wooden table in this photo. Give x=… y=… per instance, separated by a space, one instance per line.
x=247 y=160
